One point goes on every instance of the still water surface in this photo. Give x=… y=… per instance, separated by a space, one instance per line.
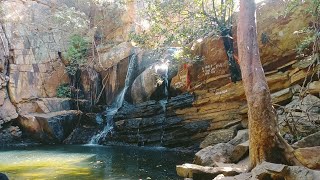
x=91 y=162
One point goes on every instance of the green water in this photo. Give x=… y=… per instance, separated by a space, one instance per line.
x=90 y=162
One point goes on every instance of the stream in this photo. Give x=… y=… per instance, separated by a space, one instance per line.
x=91 y=162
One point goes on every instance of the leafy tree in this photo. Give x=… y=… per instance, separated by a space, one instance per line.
x=180 y=22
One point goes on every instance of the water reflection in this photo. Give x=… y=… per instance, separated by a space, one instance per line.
x=90 y=162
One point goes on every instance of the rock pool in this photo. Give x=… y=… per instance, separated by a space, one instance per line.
x=90 y=162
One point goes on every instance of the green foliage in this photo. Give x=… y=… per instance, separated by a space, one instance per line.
x=185 y=56
x=312 y=33
x=76 y=54
x=305 y=43
x=64 y=91
x=180 y=22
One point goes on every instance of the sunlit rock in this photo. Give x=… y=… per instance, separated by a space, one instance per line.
x=309 y=157
x=210 y=155
x=204 y=172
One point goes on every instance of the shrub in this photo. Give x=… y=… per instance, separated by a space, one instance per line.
x=64 y=91
x=76 y=54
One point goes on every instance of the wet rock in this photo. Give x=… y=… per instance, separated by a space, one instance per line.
x=91 y=119
x=81 y=135
x=309 y=157
x=90 y=81
x=309 y=141
x=204 y=172
x=113 y=79
x=10 y=135
x=158 y=130
x=82 y=105
x=210 y=155
x=180 y=102
x=239 y=152
x=147 y=109
x=216 y=137
x=241 y=137
x=157 y=123
x=13 y=131
x=51 y=127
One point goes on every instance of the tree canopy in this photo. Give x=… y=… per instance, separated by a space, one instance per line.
x=179 y=22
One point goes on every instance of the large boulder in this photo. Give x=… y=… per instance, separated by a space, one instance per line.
x=153 y=68
x=210 y=155
x=152 y=83
x=49 y=120
x=197 y=172
x=216 y=137
x=144 y=85
x=114 y=55
x=51 y=127
x=239 y=152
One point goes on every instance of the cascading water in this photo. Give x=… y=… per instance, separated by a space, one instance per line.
x=116 y=105
x=164 y=76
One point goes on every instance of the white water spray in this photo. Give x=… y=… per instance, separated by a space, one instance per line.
x=116 y=105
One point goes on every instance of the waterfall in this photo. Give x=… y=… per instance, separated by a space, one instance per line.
x=116 y=105
x=163 y=102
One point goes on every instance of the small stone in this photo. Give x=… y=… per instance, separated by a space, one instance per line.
x=241 y=137
x=239 y=152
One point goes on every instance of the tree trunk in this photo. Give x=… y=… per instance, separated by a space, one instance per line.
x=265 y=142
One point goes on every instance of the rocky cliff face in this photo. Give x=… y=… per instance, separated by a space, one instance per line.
x=201 y=102
x=219 y=107
x=7 y=109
